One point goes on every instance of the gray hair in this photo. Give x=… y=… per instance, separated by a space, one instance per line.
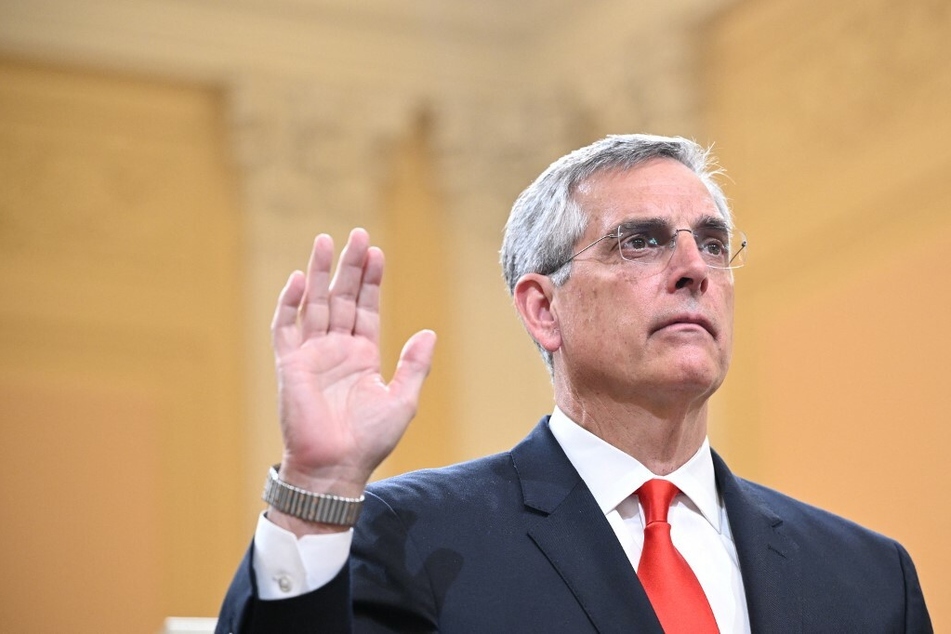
x=546 y=221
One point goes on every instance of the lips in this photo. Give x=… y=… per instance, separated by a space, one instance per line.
x=687 y=318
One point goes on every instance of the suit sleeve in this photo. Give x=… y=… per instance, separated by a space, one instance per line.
x=390 y=581
x=384 y=589
x=327 y=609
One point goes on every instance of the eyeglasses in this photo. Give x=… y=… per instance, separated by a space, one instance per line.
x=651 y=244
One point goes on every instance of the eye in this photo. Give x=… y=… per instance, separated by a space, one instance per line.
x=715 y=249
x=637 y=245
x=635 y=242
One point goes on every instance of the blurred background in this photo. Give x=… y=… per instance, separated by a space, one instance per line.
x=164 y=164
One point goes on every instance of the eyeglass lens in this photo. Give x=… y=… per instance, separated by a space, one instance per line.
x=651 y=241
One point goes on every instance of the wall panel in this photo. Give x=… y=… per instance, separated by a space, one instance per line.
x=120 y=391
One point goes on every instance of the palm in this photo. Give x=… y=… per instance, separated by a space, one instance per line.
x=336 y=407
x=338 y=414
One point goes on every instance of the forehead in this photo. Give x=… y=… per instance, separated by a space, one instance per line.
x=659 y=188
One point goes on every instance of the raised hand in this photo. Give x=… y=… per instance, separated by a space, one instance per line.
x=339 y=417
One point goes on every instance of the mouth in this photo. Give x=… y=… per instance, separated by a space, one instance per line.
x=686 y=320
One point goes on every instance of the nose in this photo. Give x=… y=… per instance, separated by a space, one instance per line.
x=687 y=268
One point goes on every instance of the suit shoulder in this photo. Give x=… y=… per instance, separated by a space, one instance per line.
x=808 y=519
x=464 y=482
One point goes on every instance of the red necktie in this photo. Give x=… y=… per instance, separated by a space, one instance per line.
x=673 y=589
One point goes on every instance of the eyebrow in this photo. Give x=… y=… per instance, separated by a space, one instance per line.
x=715 y=223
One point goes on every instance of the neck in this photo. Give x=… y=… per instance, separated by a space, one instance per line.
x=661 y=437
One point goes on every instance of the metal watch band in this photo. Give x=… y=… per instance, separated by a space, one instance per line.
x=311 y=507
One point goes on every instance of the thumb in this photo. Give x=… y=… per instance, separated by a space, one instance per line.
x=414 y=364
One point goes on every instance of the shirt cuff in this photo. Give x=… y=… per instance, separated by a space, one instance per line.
x=286 y=566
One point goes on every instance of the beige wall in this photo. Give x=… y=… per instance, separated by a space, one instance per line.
x=832 y=120
x=120 y=364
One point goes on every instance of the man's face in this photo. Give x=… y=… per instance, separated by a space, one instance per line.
x=652 y=337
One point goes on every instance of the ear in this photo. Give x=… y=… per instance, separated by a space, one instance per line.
x=533 y=296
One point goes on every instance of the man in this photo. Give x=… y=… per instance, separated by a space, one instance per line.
x=613 y=515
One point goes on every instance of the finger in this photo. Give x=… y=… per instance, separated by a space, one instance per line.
x=415 y=361
x=368 y=301
x=285 y=334
x=345 y=286
x=315 y=310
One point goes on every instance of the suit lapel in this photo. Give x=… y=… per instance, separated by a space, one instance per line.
x=769 y=560
x=576 y=538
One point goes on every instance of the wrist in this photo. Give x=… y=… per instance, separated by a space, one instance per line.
x=343 y=480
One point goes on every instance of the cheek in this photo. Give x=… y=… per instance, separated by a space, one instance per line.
x=726 y=325
x=728 y=313
x=579 y=307
x=588 y=325
x=606 y=315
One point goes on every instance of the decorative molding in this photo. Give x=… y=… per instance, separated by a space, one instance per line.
x=489 y=150
x=212 y=42
x=307 y=149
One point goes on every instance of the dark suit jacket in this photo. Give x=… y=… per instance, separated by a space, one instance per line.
x=516 y=543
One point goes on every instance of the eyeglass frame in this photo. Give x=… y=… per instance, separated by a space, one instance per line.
x=670 y=244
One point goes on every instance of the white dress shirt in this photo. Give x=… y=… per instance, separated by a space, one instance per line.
x=286 y=567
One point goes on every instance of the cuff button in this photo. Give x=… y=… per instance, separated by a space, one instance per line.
x=285 y=584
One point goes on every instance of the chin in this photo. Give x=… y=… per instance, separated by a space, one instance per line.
x=696 y=375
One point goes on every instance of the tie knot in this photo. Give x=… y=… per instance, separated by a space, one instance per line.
x=655 y=496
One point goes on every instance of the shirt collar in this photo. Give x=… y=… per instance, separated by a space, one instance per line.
x=612 y=475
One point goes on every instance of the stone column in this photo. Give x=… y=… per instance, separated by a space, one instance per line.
x=311 y=158
x=487 y=152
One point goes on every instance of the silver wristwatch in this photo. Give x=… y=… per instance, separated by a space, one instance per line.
x=311 y=507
